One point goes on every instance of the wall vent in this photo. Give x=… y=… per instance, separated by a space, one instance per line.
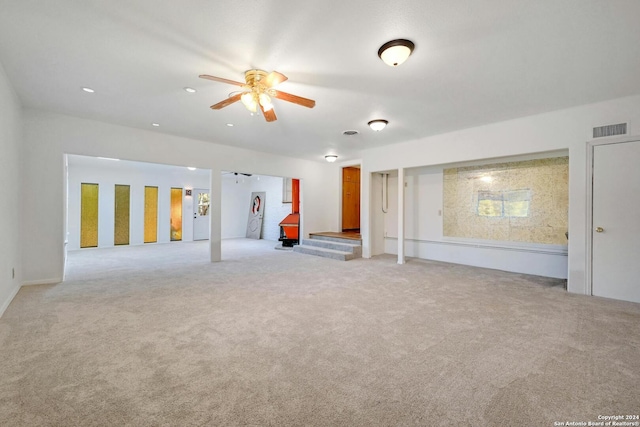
x=610 y=130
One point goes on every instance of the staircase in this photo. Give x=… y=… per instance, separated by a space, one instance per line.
x=339 y=248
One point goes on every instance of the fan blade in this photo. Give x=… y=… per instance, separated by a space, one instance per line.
x=269 y=115
x=305 y=102
x=226 y=102
x=220 y=79
x=274 y=78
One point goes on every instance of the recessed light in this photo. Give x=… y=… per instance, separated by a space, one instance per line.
x=230 y=125
x=155 y=124
x=190 y=89
x=331 y=158
x=191 y=168
x=88 y=89
x=378 y=124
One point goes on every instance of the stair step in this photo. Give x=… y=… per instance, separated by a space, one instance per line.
x=339 y=246
x=324 y=252
x=334 y=239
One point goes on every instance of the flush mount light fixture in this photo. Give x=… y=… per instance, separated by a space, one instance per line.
x=190 y=90
x=230 y=125
x=88 y=89
x=191 y=168
x=395 y=52
x=331 y=158
x=378 y=124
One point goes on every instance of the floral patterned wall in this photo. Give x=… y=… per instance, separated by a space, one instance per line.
x=525 y=201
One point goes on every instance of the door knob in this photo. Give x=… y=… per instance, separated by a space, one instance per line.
x=599 y=229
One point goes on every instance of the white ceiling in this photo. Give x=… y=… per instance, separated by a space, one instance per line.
x=117 y=165
x=475 y=62
x=128 y=166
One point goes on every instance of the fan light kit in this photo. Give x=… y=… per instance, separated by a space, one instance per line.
x=378 y=124
x=331 y=158
x=395 y=52
x=257 y=92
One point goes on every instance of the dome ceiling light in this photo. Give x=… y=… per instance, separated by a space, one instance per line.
x=331 y=158
x=395 y=52
x=378 y=124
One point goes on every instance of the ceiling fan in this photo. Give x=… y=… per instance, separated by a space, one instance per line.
x=257 y=92
x=237 y=173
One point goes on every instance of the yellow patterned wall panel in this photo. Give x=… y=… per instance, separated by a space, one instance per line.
x=176 y=214
x=88 y=215
x=121 y=215
x=526 y=201
x=150 y=214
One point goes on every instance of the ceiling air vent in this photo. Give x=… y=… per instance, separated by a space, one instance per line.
x=610 y=130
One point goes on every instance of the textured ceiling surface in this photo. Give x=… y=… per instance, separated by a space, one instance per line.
x=475 y=62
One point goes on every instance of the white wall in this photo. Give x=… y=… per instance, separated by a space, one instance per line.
x=235 y=205
x=236 y=199
x=48 y=136
x=275 y=211
x=109 y=173
x=10 y=194
x=568 y=129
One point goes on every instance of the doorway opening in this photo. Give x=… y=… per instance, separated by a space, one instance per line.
x=253 y=206
x=113 y=203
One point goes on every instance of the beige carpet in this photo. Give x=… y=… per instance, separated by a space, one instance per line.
x=156 y=335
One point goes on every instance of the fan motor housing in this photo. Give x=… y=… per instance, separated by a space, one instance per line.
x=254 y=76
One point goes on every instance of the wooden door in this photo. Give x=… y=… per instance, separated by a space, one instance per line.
x=350 y=199
x=616 y=221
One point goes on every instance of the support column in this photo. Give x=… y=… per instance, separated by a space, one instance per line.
x=401 y=216
x=215 y=210
x=365 y=212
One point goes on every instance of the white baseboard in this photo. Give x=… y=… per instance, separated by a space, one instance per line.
x=42 y=282
x=12 y=295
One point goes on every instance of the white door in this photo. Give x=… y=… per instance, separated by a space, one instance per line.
x=200 y=214
x=256 y=212
x=616 y=221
